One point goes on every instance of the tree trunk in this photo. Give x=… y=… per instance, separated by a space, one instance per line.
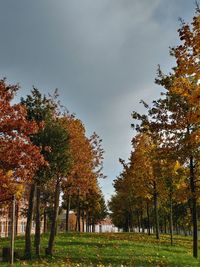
x=142 y=222
x=148 y=219
x=93 y=228
x=45 y=221
x=78 y=213
x=194 y=208
x=129 y=229
x=83 y=222
x=176 y=228
x=67 y=213
x=165 y=225
x=155 y=199
x=76 y=224
x=93 y=225
x=16 y=218
x=131 y=221
x=27 y=252
x=171 y=220
x=37 y=222
x=87 y=221
x=138 y=218
x=49 y=250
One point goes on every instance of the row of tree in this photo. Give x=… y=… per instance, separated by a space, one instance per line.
x=45 y=155
x=159 y=186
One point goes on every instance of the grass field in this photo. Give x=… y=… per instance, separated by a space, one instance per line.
x=120 y=249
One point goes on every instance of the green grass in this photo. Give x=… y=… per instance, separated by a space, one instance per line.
x=119 y=249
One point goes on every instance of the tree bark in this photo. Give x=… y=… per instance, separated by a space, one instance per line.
x=165 y=225
x=67 y=213
x=16 y=219
x=83 y=222
x=45 y=221
x=142 y=222
x=171 y=220
x=87 y=221
x=93 y=224
x=37 y=222
x=27 y=252
x=49 y=250
x=148 y=219
x=138 y=218
x=194 y=208
x=78 y=212
x=155 y=199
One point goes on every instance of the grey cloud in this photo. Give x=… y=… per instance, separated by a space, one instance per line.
x=101 y=54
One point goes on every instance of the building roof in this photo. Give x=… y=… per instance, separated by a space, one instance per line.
x=106 y=221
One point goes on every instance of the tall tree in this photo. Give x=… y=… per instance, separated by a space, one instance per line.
x=186 y=83
x=19 y=158
x=86 y=167
x=59 y=163
x=41 y=110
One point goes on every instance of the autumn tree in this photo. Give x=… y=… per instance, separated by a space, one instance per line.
x=187 y=55
x=86 y=167
x=176 y=115
x=119 y=211
x=93 y=208
x=59 y=163
x=42 y=111
x=186 y=84
x=125 y=204
x=182 y=108
x=19 y=157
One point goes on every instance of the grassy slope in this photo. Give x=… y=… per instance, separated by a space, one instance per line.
x=121 y=249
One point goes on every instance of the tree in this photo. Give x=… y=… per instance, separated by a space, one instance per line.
x=182 y=105
x=86 y=165
x=176 y=116
x=59 y=163
x=187 y=72
x=120 y=214
x=186 y=84
x=41 y=110
x=94 y=208
x=19 y=158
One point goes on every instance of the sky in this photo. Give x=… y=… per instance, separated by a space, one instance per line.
x=102 y=55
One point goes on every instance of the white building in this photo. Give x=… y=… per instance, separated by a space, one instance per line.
x=106 y=226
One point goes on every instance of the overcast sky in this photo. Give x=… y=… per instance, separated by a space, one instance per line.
x=102 y=55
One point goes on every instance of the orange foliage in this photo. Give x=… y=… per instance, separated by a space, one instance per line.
x=187 y=72
x=82 y=175
x=19 y=158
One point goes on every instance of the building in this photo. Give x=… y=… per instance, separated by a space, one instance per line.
x=106 y=226
x=20 y=221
